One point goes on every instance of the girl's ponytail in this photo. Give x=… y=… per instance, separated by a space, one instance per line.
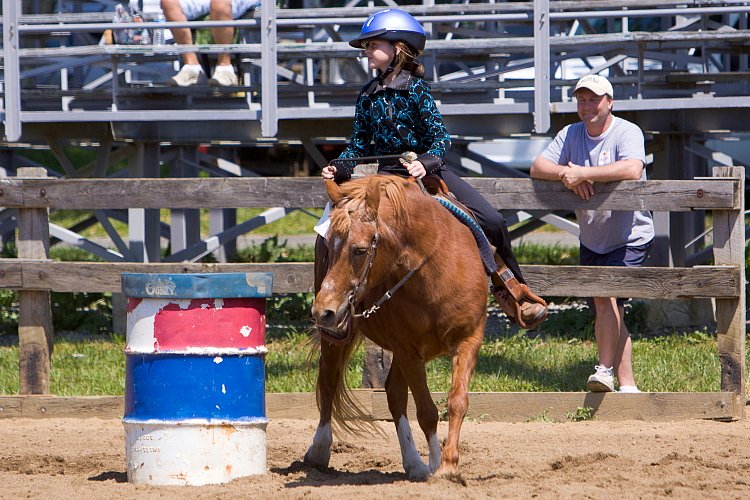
x=406 y=59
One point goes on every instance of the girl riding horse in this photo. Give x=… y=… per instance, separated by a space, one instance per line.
x=396 y=113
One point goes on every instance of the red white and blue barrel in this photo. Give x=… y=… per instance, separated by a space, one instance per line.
x=195 y=377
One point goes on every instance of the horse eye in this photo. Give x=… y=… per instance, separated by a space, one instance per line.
x=360 y=251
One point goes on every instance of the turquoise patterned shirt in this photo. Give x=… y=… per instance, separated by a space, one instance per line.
x=391 y=120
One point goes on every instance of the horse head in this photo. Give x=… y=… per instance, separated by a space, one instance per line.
x=357 y=252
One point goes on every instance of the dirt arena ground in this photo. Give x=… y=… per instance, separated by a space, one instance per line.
x=85 y=458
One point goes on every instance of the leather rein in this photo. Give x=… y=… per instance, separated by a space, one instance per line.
x=363 y=281
x=358 y=290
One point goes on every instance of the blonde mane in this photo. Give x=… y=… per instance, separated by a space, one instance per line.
x=355 y=196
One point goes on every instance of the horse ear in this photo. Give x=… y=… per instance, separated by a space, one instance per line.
x=373 y=198
x=333 y=190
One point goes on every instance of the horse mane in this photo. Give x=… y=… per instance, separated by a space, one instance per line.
x=355 y=197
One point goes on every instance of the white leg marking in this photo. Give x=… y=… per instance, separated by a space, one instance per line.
x=413 y=465
x=319 y=453
x=435 y=453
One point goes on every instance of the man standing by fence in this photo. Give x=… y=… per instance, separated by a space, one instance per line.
x=603 y=148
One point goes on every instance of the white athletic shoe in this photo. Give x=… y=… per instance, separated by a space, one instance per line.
x=601 y=381
x=187 y=77
x=223 y=79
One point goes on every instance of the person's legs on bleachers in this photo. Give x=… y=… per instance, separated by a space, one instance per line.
x=224 y=74
x=191 y=71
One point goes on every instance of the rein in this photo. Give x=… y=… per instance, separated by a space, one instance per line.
x=386 y=296
x=358 y=289
x=363 y=281
x=366 y=270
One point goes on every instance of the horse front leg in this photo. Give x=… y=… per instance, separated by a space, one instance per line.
x=319 y=453
x=464 y=360
x=329 y=373
x=427 y=413
x=396 y=388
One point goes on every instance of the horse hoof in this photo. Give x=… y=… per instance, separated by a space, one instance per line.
x=419 y=473
x=319 y=463
x=454 y=477
x=446 y=471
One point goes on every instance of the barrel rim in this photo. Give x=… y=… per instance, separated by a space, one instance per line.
x=197 y=285
x=197 y=422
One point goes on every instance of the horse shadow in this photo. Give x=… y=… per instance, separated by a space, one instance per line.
x=333 y=477
x=314 y=477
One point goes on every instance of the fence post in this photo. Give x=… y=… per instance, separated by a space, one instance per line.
x=729 y=250
x=34 y=309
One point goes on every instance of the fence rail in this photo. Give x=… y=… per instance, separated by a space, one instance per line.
x=34 y=275
x=260 y=192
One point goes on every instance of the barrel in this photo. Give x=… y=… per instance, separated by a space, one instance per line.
x=195 y=377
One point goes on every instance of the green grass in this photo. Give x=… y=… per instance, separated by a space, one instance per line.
x=84 y=366
x=95 y=365
x=558 y=358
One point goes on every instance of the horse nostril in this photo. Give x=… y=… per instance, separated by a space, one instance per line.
x=327 y=317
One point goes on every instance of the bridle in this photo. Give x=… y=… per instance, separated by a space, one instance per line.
x=363 y=281
x=357 y=291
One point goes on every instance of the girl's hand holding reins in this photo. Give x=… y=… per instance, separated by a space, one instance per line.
x=329 y=171
x=415 y=168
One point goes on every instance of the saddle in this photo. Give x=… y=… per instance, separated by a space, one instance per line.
x=514 y=298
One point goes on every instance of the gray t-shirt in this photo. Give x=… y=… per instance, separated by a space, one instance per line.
x=605 y=230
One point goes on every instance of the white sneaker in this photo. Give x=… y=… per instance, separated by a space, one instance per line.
x=601 y=381
x=223 y=79
x=186 y=77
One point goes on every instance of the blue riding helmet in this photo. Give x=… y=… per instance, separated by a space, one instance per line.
x=393 y=25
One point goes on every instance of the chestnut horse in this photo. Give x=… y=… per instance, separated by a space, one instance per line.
x=388 y=238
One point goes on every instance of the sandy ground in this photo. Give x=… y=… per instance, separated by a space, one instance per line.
x=85 y=458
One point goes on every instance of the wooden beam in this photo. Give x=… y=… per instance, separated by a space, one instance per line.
x=265 y=192
x=11 y=194
x=731 y=316
x=640 y=282
x=484 y=406
x=34 y=308
x=292 y=277
x=289 y=277
x=613 y=406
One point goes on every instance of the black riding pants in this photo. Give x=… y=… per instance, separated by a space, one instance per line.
x=492 y=221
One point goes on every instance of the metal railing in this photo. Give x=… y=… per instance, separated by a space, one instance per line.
x=693 y=43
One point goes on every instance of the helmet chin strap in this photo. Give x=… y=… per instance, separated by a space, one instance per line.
x=382 y=75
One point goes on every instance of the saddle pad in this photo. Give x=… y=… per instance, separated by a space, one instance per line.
x=485 y=249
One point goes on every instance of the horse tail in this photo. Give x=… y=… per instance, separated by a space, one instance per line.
x=347 y=414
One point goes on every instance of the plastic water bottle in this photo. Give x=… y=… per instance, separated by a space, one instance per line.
x=122 y=15
x=141 y=36
x=158 y=36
